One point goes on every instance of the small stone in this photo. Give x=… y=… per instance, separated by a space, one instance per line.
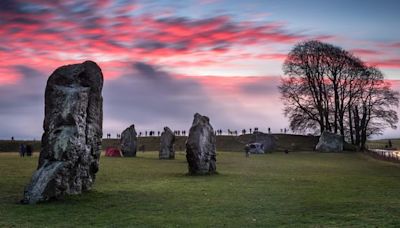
x=268 y=141
x=330 y=142
x=255 y=148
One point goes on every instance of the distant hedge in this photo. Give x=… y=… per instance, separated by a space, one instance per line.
x=13 y=145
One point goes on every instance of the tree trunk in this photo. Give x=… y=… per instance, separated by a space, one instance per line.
x=335 y=90
x=351 y=126
x=364 y=127
x=357 y=127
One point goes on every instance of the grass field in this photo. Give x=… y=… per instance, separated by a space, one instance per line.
x=298 y=190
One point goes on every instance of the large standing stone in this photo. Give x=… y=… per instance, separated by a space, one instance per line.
x=330 y=142
x=71 y=142
x=167 y=141
x=200 y=147
x=129 y=142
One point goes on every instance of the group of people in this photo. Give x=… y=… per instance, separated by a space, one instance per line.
x=179 y=133
x=217 y=132
x=25 y=150
x=150 y=133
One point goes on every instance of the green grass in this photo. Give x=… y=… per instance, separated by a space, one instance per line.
x=296 y=190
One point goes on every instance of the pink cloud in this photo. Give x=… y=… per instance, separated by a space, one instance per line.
x=273 y=56
x=386 y=63
x=55 y=34
x=366 y=52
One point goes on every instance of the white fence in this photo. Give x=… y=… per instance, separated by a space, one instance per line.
x=390 y=155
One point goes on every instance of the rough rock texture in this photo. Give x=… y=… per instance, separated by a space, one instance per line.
x=255 y=148
x=167 y=141
x=129 y=142
x=200 y=147
x=330 y=142
x=268 y=141
x=71 y=142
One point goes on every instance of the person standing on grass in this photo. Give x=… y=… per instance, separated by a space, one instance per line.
x=247 y=151
x=22 y=150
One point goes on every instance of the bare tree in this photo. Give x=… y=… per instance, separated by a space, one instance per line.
x=328 y=88
x=373 y=110
x=306 y=67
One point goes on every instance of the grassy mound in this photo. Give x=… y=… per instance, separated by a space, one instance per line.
x=224 y=143
x=295 y=189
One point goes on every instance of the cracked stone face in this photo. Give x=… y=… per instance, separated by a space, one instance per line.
x=200 y=147
x=71 y=142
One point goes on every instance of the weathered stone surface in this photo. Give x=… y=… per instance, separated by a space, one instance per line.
x=129 y=142
x=167 y=141
x=71 y=142
x=255 y=148
x=330 y=142
x=200 y=147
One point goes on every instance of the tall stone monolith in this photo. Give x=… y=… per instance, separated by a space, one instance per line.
x=129 y=142
x=71 y=142
x=200 y=147
x=167 y=141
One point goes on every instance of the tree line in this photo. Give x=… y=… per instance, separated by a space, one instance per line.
x=327 y=88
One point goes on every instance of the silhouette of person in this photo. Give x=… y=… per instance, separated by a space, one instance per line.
x=22 y=150
x=247 y=151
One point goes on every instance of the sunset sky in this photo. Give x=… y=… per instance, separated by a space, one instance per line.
x=165 y=60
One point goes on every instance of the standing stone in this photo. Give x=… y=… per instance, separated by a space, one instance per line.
x=129 y=142
x=167 y=141
x=71 y=142
x=330 y=142
x=200 y=147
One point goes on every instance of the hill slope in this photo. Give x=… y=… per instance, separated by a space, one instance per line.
x=224 y=143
